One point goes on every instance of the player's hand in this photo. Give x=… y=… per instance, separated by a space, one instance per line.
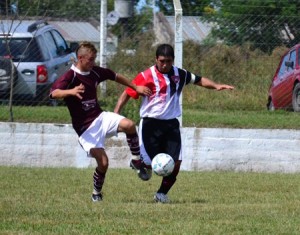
x=78 y=90
x=220 y=87
x=143 y=90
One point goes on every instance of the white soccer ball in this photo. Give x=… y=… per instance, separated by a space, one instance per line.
x=162 y=164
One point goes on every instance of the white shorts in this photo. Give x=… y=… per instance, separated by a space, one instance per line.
x=104 y=126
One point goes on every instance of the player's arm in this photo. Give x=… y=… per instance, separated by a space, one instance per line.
x=60 y=94
x=123 y=99
x=142 y=90
x=209 y=84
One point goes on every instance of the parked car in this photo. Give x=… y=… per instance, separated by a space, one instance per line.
x=7 y=72
x=40 y=55
x=284 y=92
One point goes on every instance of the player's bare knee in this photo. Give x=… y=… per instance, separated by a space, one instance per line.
x=128 y=126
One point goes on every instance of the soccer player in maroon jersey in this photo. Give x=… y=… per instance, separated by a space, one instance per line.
x=78 y=87
x=159 y=129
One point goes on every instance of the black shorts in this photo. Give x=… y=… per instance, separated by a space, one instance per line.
x=161 y=136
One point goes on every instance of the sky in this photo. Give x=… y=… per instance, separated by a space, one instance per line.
x=143 y=3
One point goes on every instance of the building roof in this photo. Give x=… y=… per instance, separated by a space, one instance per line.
x=71 y=31
x=77 y=31
x=192 y=27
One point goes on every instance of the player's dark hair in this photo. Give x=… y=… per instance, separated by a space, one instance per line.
x=165 y=50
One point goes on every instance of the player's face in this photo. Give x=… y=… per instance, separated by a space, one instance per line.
x=164 y=63
x=87 y=61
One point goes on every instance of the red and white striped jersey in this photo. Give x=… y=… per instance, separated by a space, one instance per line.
x=166 y=90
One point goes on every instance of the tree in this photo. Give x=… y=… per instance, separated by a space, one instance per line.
x=265 y=24
x=74 y=9
x=192 y=8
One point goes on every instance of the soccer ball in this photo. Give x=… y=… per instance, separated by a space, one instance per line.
x=163 y=164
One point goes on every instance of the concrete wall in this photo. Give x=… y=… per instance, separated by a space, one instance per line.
x=204 y=149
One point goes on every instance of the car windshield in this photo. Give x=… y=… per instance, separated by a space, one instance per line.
x=20 y=50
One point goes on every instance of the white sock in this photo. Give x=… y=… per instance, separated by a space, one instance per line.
x=135 y=157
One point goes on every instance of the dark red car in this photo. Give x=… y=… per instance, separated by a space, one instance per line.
x=284 y=92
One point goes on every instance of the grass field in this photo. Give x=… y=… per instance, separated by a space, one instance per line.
x=57 y=201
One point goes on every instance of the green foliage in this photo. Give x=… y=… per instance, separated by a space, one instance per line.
x=134 y=54
x=192 y=8
x=249 y=71
x=264 y=24
x=57 y=201
x=70 y=8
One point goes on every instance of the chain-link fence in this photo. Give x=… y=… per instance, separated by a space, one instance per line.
x=241 y=47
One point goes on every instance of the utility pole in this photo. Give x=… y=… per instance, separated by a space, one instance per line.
x=103 y=39
x=178 y=41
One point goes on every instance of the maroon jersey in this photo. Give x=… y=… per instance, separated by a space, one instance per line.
x=83 y=111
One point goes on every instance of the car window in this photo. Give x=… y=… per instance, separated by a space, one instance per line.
x=21 y=49
x=282 y=69
x=60 y=42
x=292 y=59
x=42 y=48
x=49 y=40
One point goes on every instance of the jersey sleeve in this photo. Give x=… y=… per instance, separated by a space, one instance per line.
x=192 y=78
x=103 y=74
x=138 y=81
x=109 y=74
x=63 y=82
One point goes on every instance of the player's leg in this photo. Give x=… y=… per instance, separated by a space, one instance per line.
x=129 y=128
x=113 y=123
x=99 y=175
x=166 y=184
x=92 y=141
x=173 y=148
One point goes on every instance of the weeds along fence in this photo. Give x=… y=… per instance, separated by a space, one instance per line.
x=238 y=44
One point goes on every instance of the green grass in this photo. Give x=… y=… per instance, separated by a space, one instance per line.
x=57 y=201
x=241 y=119
x=191 y=117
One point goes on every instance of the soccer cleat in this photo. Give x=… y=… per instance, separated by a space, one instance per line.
x=97 y=197
x=144 y=172
x=135 y=164
x=161 y=197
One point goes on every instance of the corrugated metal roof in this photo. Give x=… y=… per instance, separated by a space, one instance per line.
x=192 y=27
x=77 y=31
x=71 y=31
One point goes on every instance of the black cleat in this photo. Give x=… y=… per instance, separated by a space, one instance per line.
x=144 y=172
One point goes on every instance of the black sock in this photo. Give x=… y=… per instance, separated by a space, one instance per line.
x=166 y=185
x=98 y=181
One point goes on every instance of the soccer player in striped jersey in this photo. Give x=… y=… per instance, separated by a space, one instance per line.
x=159 y=128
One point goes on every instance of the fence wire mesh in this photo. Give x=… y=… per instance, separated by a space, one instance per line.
x=237 y=42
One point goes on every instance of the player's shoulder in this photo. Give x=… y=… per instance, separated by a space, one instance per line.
x=100 y=70
x=68 y=75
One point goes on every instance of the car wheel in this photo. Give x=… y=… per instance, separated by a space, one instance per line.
x=296 y=98
x=270 y=106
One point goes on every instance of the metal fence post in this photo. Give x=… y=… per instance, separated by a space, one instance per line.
x=103 y=36
x=178 y=41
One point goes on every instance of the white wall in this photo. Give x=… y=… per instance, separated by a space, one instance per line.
x=204 y=149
